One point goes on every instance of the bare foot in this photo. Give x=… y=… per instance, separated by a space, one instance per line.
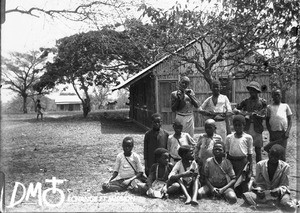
x=194 y=203
x=188 y=201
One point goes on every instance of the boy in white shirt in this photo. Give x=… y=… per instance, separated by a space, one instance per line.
x=127 y=170
x=178 y=139
x=278 y=121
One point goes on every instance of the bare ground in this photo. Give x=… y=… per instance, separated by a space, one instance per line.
x=83 y=151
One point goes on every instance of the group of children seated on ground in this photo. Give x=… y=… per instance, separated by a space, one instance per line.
x=209 y=168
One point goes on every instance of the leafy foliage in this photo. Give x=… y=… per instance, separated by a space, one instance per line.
x=99 y=58
x=21 y=71
x=230 y=38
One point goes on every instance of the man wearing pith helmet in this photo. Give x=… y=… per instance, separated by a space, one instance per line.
x=254 y=110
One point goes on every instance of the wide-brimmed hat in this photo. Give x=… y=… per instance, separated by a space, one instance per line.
x=255 y=85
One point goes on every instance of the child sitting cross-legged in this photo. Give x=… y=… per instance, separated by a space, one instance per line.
x=158 y=176
x=128 y=169
x=219 y=175
x=184 y=176
x=271 y=184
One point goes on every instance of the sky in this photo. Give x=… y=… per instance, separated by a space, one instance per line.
x=23 y=33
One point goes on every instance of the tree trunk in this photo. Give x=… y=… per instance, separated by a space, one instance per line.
x=86 y=107
x=24 y=104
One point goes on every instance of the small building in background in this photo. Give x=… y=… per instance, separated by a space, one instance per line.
x=151 y=88
x=68 y=102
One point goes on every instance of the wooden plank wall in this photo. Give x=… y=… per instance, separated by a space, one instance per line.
x=142 y=100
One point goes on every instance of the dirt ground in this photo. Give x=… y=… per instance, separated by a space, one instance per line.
x=81 y=153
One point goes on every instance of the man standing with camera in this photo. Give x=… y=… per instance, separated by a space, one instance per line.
x=182 y=103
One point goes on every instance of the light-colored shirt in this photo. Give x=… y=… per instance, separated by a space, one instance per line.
x=239 y=147
x=217 y=173
x=179 y=169
x=174 y=144
x=123 y=167
x=278 y=116
x=222 y=106
x=204 y=147
x=280 y=178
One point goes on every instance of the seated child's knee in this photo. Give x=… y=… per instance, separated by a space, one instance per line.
x=174 y=188
x=105 y=186
x=231 y=198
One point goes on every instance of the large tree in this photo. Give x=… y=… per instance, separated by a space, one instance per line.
x=230 y=37
x=95 y=58
x=21 y=71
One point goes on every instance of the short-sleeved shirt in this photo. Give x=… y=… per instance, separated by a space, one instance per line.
x=216 y=173
x=223 y=104
x=278 y=116
x=174 y=144
x=123 y=167
x=239 y=147
x=179 y=169
x=205 y=146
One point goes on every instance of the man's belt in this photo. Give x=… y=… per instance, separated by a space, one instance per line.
x=184 y=113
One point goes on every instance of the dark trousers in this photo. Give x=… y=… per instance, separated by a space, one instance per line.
x=277 y=137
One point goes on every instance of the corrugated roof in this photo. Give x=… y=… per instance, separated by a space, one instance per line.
x=67 y=99
x=139 y=75
x=147 y=70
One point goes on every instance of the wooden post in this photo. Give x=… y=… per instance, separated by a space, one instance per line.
x=298 y=125
x=156 y=94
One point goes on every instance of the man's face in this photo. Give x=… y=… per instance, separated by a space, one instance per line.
x=276 y=95
x=253 y=92
x=183 y=85
x=156 y=123
x=215 y=89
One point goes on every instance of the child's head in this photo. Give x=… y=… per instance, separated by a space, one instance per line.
x=210 y=127
x=276 y=96
x=239 y=122
x=177 y=126
x=156 y=121
x=186 y=152
x=219 y=149
x=162 y=156
x=276 y=153
x=127 y=145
